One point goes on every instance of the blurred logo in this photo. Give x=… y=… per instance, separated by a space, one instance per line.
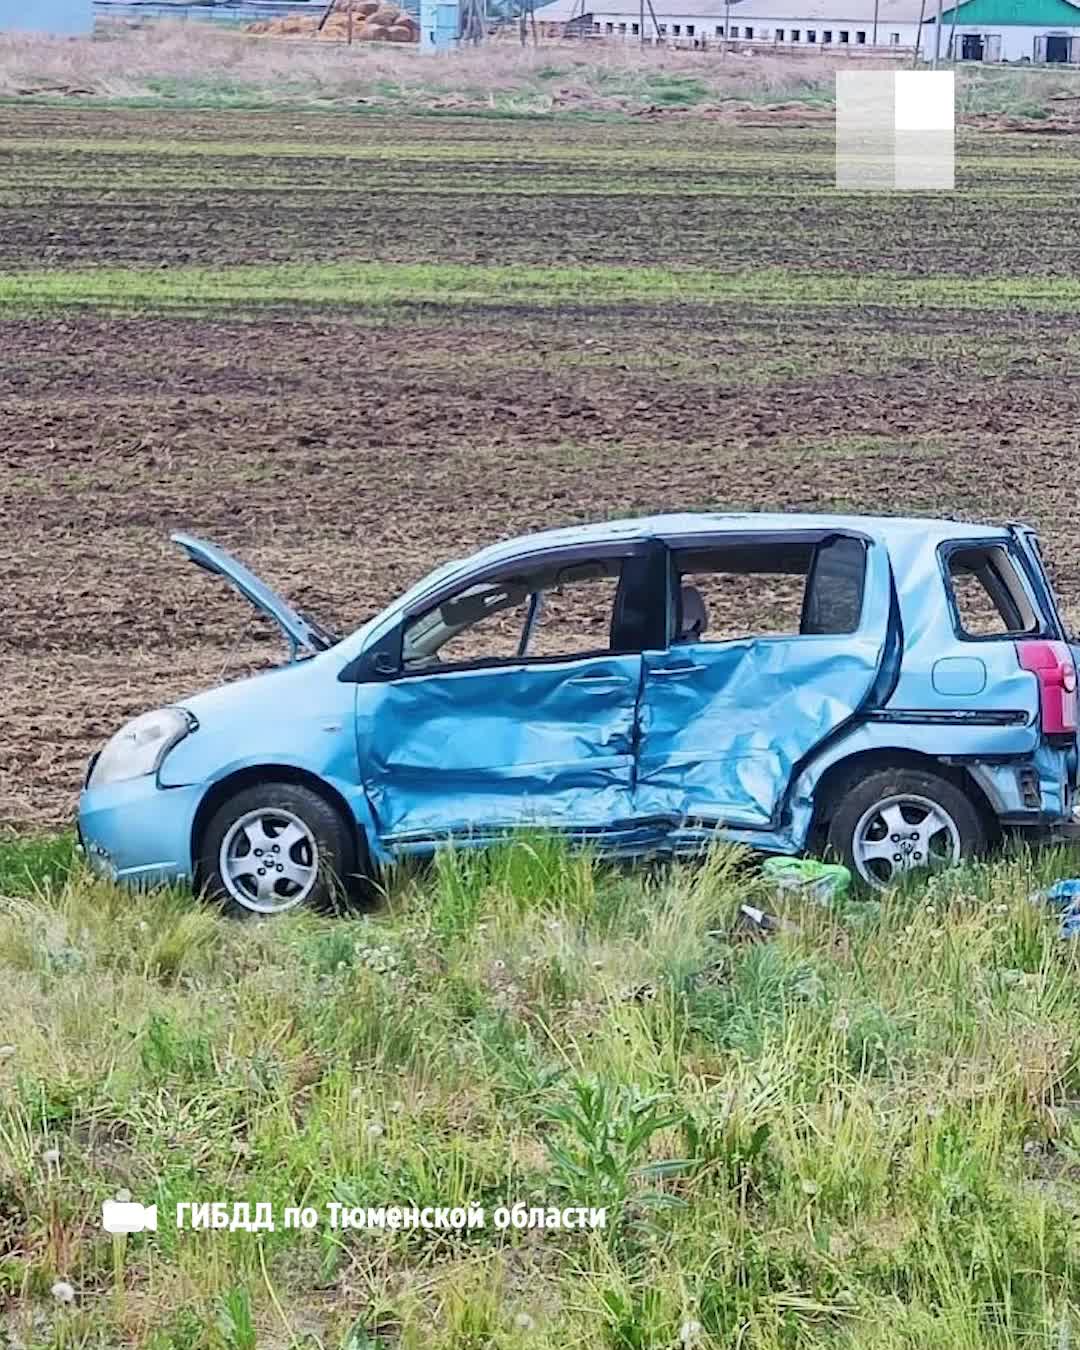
x=128 y=1216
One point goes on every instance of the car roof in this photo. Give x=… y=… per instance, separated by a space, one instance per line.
x=691 y=523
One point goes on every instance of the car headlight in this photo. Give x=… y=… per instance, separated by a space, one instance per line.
x=139 y=747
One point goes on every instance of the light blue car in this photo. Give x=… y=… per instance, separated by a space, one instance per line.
x=898 y=692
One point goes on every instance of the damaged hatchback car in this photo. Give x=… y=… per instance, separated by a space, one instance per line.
x=896 y=692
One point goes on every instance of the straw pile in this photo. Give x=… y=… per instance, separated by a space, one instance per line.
x=372 y=21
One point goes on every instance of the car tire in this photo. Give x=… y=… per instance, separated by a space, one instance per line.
x=275 y=847
x=896 y=821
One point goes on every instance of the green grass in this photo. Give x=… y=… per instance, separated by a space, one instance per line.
x=28 y=865
x=351 y=283
x=864 y=1133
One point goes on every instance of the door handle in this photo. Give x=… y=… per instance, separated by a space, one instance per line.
x=675 y=670
x=598 y=681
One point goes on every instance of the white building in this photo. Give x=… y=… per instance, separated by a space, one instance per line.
x=1009 y=30
x=973 y=30
x=788 y=23
x=684 y=21
x=827 y=24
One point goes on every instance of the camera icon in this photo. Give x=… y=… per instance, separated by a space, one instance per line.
x=128 y=1216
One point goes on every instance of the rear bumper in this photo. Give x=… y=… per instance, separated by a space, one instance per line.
x=137 y=832
x=1034 y=791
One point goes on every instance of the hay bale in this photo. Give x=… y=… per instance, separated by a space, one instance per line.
x=399 y=32
x=373 y=32
x=385 y=15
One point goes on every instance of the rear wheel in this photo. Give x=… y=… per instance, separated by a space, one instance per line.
x=274 y=847
x=898 y=821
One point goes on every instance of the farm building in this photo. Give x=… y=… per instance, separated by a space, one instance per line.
x=1011 y=30
x=974 y=30
x=822 y=23
x=797 y=23
x=64 y=17
x=677 y=19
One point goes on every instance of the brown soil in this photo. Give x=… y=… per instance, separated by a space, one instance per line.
x=343 y=454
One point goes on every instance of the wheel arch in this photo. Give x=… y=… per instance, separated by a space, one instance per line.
x=220 y=791
x=843 y=773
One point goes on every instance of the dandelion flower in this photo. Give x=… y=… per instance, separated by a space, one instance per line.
x=63 y=1292
x=51 y=1156
x=524 y=1322
x=690 y=1333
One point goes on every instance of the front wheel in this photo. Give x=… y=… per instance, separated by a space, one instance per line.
x=274 y=847
x=898 y=821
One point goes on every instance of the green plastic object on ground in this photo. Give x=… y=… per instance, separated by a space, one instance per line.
x=807 y=876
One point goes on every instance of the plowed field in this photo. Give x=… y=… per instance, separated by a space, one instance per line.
x=349 y=348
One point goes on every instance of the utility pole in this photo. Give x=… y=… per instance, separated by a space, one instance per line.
x=937 y=37
x=876 y=6
x=918 y=35
x=727 y=27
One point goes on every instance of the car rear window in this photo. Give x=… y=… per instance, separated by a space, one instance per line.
x=988 y=593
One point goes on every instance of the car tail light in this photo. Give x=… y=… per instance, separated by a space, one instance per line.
x=1052 y=665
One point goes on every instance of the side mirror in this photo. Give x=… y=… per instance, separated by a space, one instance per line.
x=379 y=663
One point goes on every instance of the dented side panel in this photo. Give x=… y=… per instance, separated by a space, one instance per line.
x=724 y=725
x=466 y=752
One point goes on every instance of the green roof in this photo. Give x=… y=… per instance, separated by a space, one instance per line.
x=1002 y=13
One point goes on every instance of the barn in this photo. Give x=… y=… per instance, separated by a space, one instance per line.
x=1009 y=30
x=683 y=21
x=789 y=23
x=973 y=30
x=828 y=24
x=66 y=18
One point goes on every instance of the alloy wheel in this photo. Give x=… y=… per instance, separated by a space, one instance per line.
x=901 y=834
x=269 y=860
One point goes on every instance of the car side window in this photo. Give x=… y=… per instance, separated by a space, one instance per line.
x=575 y=618
x=482 y=622
x=990 y=598
x=770 y=588
x=550 y=612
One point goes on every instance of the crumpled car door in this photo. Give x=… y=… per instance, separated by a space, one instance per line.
x=725 y=723
x=473 y=753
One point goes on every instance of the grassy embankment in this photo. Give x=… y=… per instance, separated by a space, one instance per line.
x=863 y=1133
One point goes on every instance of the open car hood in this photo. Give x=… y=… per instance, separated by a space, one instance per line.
x=299 y=631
